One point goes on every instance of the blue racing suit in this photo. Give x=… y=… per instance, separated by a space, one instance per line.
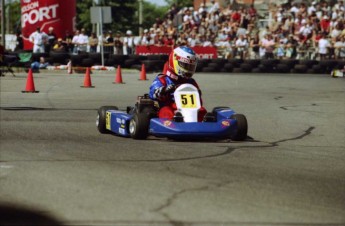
x=163 y=87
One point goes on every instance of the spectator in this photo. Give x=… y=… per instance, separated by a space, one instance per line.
x=83 y=41
x=305 y=31
x=51 y=40
x=93 y=42
x=38 y=38
x=194 y=40
x=75 y=41
x=252 y=13
x=168 y=40
x=280 y=49
x=101 y=40
x=59 y=46
x=146 y=38
x=339 y=48
x=80 y=41
x=336 y=32
x=214 y=7
x=269 y=45
x=118 y=44
x=255 y=46
x=20 y=42
x=67 y=41
x=323 y=46
x=171 y=30
x=294 y=9
x=128 y=43
x=236 y=16
x=242 y=46
x=41 y=64
x=206 y=41
x=109 y=43
x=312 y=8
x=222 y=41
x=325 y=24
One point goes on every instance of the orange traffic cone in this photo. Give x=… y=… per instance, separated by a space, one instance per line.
x=165 y=68
x=118 y=78
x=69 y=67
x=143 y=73
x=87 y=79
x=30 y=86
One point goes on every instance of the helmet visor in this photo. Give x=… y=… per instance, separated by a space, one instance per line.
x=187 y=67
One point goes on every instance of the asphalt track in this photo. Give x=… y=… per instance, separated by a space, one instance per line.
x=57 y=169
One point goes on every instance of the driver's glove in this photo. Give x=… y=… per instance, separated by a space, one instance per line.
x=170 y=88
x=163 y=91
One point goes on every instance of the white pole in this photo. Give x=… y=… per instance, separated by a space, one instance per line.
x=101 y=28
x=3 y=41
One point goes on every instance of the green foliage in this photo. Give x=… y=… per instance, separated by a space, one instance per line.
x=12 y=12
x=125 y=15
x=180 y=3
x=151 y=12
x=83 y=15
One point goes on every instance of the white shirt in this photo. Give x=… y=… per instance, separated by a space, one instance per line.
x=129 y=41
x=323 y=45
x=341 y=46
x=305 y=30
x=241 y=43
x=207 y=43
x=82 y=39
x=294 y=9
x=38 y=38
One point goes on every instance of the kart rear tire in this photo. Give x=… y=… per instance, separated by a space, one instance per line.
x=242 y=127
x=101 y=118
x=139 y=124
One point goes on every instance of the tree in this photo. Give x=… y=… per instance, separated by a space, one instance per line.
x=125 y=15
x=180 y=4
x=13 y=13
x=151 y=12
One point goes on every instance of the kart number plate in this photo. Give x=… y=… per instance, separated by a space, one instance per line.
x=107 y=121
x=188 y=101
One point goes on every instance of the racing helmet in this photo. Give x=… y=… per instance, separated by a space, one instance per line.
x=183 y=61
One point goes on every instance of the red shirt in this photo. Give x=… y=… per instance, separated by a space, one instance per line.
x=236 y=16
x=325 y=23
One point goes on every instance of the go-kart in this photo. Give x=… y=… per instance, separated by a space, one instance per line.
x=142 y=120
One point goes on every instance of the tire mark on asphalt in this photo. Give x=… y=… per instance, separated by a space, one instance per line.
x=286 y=108
x=228 y=150
x=173 y=197
x=170 y=200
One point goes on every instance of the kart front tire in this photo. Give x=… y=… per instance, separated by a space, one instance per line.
x=101 y=118
x=242 y=127
x=139 y=125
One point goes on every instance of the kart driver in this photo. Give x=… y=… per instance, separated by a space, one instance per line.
x=181 y=67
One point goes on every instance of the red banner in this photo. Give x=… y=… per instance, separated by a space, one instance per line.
x=59 y=14
x=207 y=52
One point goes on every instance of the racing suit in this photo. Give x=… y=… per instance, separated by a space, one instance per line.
x=162 y=90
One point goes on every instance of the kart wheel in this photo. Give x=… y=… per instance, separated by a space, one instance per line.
x=242 y=127
x=101 y=118
x=139 y=125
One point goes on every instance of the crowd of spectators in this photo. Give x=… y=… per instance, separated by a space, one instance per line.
x=304 y=31
x=299 y=30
